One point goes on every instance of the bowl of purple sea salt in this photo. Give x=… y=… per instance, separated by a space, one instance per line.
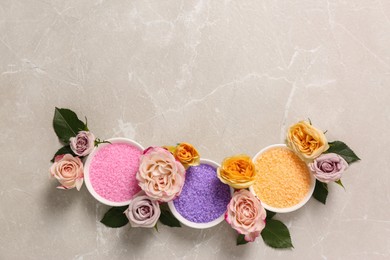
x=110 y=171
x=203 y=199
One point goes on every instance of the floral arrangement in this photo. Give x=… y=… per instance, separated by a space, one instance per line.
x=326 y=160
x=162 y=173
x=77 y=142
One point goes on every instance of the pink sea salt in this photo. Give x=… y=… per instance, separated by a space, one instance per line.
x=113 y=169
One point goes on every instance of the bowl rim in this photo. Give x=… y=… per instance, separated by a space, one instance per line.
x=191 y=224
x=87 y=163
x=296 y=206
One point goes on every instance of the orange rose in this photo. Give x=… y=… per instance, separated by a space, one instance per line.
x=237 y=171
x=186 y=154
x=306 y=140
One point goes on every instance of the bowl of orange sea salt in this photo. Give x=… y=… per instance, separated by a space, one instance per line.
x=283 y=180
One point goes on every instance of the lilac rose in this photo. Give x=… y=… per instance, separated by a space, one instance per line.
x=143 y=211
x=83 y=143
x=328 y=167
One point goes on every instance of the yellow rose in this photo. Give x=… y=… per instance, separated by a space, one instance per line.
x=306 y=140
x=186 y=154
x=237 y=171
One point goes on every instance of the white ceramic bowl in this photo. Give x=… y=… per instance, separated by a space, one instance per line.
x=292 y=208
x=87 y=165
x=194 y=224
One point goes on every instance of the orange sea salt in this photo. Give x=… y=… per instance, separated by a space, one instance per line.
x=282 y=178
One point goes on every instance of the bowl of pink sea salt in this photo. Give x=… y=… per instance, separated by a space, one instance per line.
x=110 y=171
x=203 y=199
x=283 y=181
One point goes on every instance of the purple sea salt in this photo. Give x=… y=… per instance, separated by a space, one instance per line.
x=204 y=197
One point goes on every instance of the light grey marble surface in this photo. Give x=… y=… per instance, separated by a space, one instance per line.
x=229 y=77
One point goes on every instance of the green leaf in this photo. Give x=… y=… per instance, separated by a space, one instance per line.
x=98 y=141
x=241 y=240
x=320 y=191
x=340 y=183
x=64 y=150
x=171 y=149
x=343 y=150
x=86 y=124
x=66 y=124
x=167 y=217
x=276 y=234
x=115 y=217
x=270 y=214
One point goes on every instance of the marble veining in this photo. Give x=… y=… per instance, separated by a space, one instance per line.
x=228 y=76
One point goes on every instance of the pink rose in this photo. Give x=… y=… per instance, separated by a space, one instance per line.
x=328 y=167
x=143 y=211
x=160 y=175
x=68 y=170
x=246 y=214
x=83 y=143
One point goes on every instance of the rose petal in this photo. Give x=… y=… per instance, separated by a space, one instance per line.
x=58 y=157
x=79 y=183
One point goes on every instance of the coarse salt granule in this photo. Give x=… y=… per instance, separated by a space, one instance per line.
x=113 y=169
x=282 y=178
x=204 y=197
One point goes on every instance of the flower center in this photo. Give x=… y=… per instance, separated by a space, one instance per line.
x=144 y=211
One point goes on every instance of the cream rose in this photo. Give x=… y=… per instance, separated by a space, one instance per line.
x=160 y=175
x=68 y=170
x=246 y=214
x=306 y=140
x=143 y=211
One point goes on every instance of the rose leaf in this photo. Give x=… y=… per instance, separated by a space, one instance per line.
x=276 y=234
x=171 y=149
x=340 y=183
x=320 y=191
x=115 y=217
x=270 y=214
x=64 y=150
x=167 y=217
x=66 y=124
x=241 y=240
x=98 y=141
x=343 y=150
x=156 y=227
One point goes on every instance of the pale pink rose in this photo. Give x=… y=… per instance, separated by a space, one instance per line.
x=328 y=167
x=83 y=143
x=69 y=171
x=143 y=211
x=246 y=214
x=160 y=175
